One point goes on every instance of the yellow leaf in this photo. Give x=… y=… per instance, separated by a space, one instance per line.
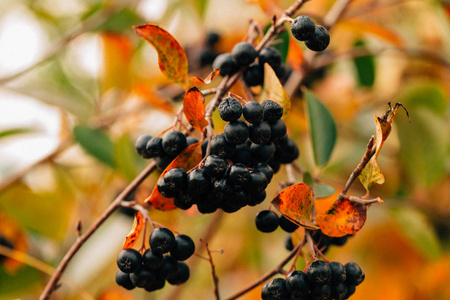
x=273 y=90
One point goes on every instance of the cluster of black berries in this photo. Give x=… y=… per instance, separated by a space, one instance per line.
x=322 y=281
x=163 y=150
x=209 y=52
x=244 y=55
x=162 y=262
x=268 y=221
x=316 y=37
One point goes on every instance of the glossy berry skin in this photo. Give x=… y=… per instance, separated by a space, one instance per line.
x=272 y=111
x=238 y=174
x=277 y=130
x=225 y=63
x=174 y=142
x=142 y=277
x=287 y=153
x=169 y=267
x=140 y=144
x=297 y=283
x=181 y=276
x=162 y=240
x=355 y=275
x=266 y=169
x=319 y=273
x=258 y=181
x=191 y=140
x=262 y=152
x=287 y=225
x=259 y=133
x=198 y=182
x=236 y=132
x=253 y=112
x=184 y=200
x=338 y=291
x=221 y=191
x=163 y=161
x=221 y=147
x=176 y=180
x=230 y=109
x=266 y=221
x=152 y=260
x=303 y=28
x=184 y=247
x=320 y=40
x=244 y=53
x=253 y=75
x=165 y=190
x=154 y=147
x=129 y=260
x=338 y=272
x=123 y=279
x=271 y=56
x=215 y=166
x=275 y=289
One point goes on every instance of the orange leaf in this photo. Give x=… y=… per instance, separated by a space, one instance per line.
x=343 y=217
x=187 y=159
x=295 y=55
x=376 y=29
x=148 y=94
x=295 y=203
x=194 y=108
x=172 y=59
x=197 y=81
x=133 y=236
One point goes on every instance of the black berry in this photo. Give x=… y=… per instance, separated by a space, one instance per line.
x=181 y=276
x=221 y=147
x=287 y=225
x=230 y=109
x=162 y=240
x=354 y=274
x=303 y=28
x=174 y=142
x=272 y=111
x=275 y=289
x=262 y=152
x=271 y=56
x=266 y=169
x=288 y=244
x=152 y=260
x=215 y=166
x=338 y=272
x=140 y=144
x=238 y=174
x=123 y=279
x=258 y=181
x=266 y=221
x=253 y=112
x=198 y=181
x=321 y=292
x=338 y=291
x=129 y=260
x=244 y=53
x=277 y=130
x=154 y=147
x=259 y=133
x=319 y=272
x=143 y=277
x=297 y=283
x=256 y=198
x=236 y=132
x=175 y=180
x=184 y=247
x=168 y=268
x=320 y=39
x=225 y=63
x=253 y=75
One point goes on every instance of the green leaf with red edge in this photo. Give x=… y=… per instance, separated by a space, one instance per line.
x=343 y=217
x=194 y=108
x=295 y=203
x=274 y=90
x=172 y=59
x=189 y=158
x=133 y=236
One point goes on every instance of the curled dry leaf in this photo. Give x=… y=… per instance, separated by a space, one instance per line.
x=194 y=108
x=133 y=236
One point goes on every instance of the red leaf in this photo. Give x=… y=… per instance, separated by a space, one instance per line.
x=187 y=159
x=343 y=217
x=172 y=59
x=194 y=108
x=295 y=203
x=133 y=236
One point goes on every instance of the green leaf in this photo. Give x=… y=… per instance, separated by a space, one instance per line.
x=418 y=231
x=15 y=131
x=121 y=21
x=126 y=157
x=322 y=129
x=281 y=43
x=365 y=68
x=322 y=190
x=18 y=283
x=96 y=142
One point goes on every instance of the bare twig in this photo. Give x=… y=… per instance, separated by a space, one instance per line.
x=311 y=245
x=363 y=201
x=213 y=271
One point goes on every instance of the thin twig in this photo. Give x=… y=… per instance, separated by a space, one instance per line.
x=364 y=201
x=213 y=270
x=311 y=245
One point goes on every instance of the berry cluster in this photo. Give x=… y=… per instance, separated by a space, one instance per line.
x=324 y=241
x=163 y=150
x=244 y=55
x=268 y=221
x=322 y=281
x=162 y=262
x=316 y=37
x=209 y=51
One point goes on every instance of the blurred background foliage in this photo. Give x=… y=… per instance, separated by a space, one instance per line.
x=77 y=87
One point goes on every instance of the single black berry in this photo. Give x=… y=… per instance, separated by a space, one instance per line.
x=158 y=284
x=184 y=200
x=287 y=225
x=181 y=276
x=143 y=277
x=297 y=283
x=244 y=53
x=319 y=272
x=338 y=291
x=258 y=181
x=271 y=56
x=123 y=279
x=266 y=221
x=184 y=247
x=253 y=112
x=168 y=268
x=272 y=111
x=303 y=28
x=253 y=75
x=162 y=240
x=212 y=39
x=230 y=109
x=206 y=207
x=274 y=163
x=152 y=260
x=354 y=274
x=215 y=166
x=259 y=133
x=236 y=132
x=165 y=190
x=129 y=260
x=154 y=147
x=275 y=289
x=287 y=153
x=321 y=292
x=163 y=161
x=262 y=152
x=266 y=169
x=175 y=180
x=238 y=174
x=174 y=142
x=140 y=144
x=221 y=147
x=242 y=155
x=277 y=130
x=350 y=290
x=339 y=241
x=256 y=198
x=239 y=198
x=225 y=63
x=221 y=191
x=198 y=181
x=338 y=272
x=320 y=39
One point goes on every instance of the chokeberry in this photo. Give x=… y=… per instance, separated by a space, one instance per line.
x=277 y=130
x=297 y=283
x=175 y=180
x=319 y=272
x=140 y=144
x=225 y=63
x=266 y=169
x=238 y=174
x=221 y=147
x=184 y=200
x=274 y=163
x=338 y=272
x=129 y=260
x=158 y=284
x=288 y=244
x=239 y=198
x=338 y=291
x=190 y=140
x=181 y=276
x=320 y=39
x=198 y=181
x=212 y=39
x=206 y=207
x=253 y=75
x=242 y=155
x=174 y=142
x=123 y=279
x=152 y=260
x=154 y=147
x=258 y=181
x=165 y=190
x=221 y=191
x=168 y=268
x=271 y=56
x=321 y=292
x=163 y=161
x=184 y=247
x=303 y=28
x=256 y=198
x=272 y=111
x=288 y=152
x=236 y=132
x=287 y=225
x=275 y=289
x=259 y=133
x=266 y=221
x=143 y=277
x=253 y=112
x=262 y=152
x=350 y=290
x=230 y=109
x=215 y=166
x=354 y=274
x=162 y=240
x=244 y=53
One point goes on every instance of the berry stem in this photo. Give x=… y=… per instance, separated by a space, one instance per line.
x=292 y=267
x=311 y=245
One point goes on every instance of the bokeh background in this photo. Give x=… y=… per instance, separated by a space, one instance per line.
x=77 y=87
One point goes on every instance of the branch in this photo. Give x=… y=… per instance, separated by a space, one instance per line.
x=213 y=271
x=54 y=280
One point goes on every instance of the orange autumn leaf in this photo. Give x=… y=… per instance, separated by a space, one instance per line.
x=295 y=55
x=343 y=217
x=151 y=97
x=197 y=81
x=187 y=159
x=376 y=29
x=172 y=58
x=295 y=203
x=194 y=108
x=133 y=236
